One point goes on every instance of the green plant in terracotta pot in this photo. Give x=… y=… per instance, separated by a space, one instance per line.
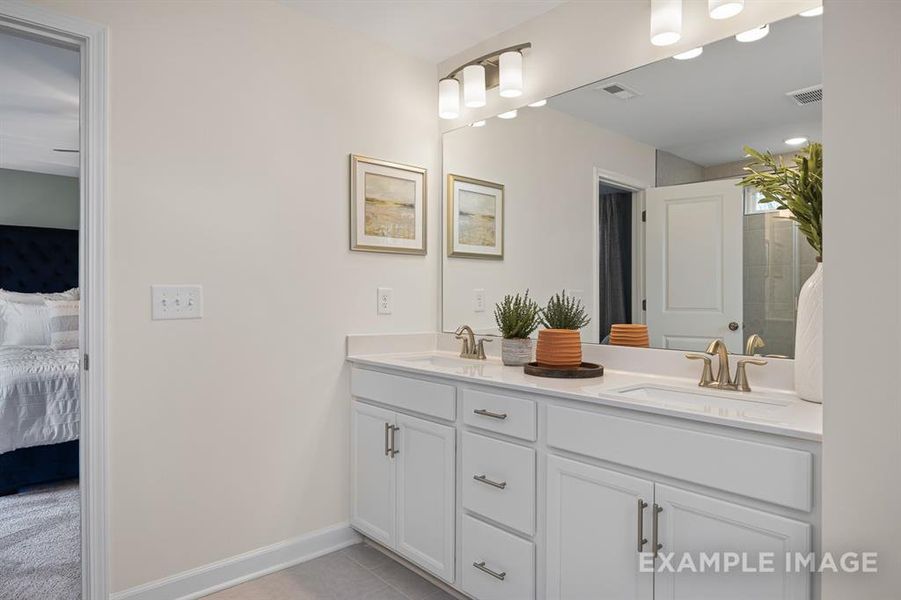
x=517 y=318
x=560 y=344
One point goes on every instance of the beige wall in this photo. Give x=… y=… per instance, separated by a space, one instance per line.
x=862 y=284
x=38 y=200
x=583 y=41
x=230 y=131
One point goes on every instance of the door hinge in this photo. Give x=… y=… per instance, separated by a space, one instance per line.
x=644 y=216
x=86 y=362
x=644 y=305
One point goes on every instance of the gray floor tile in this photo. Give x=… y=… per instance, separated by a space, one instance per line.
x=405 y=580
x=366 y=556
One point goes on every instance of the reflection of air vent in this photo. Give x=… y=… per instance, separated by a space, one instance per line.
x=618 y=90
x=808 y=95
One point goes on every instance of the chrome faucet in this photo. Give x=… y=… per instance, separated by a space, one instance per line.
x=723 y=379
x=471 y=348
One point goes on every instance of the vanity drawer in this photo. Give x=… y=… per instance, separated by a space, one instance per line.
x=416 y=395
x=512 y=416
x=509 y=558
x=505 y=488
x=783 y=476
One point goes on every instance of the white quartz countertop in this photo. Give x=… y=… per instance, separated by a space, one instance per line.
x=765 y=410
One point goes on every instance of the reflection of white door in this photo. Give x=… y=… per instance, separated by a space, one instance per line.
x=694 y=265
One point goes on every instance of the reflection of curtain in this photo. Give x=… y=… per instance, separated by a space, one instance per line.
x=616 y=260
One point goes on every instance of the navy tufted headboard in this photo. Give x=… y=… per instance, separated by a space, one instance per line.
x=38 y=259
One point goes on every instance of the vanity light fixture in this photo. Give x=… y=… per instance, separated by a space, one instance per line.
x=666 y=22
x=510 y=114
x=501 y=68
x=724 y=9
x=474 y=86
x=478 y=124
x=448 y=98
x=813 y=12
x=752 y=35
x=538 y=104
x=796 y=141
x=689 y=54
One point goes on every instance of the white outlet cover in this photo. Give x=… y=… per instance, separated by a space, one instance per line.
x=478 y=300
x=385 y=300
x=176 y=302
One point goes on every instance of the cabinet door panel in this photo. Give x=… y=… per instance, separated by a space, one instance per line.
x=692 y=523
x=592 y=533
x=372 y=473
x=425 y=494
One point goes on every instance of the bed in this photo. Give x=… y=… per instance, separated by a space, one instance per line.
x=39 y=396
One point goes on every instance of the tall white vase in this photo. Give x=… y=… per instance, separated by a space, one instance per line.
x=809 y=339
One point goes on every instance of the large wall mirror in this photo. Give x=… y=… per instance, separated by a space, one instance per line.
x=624 y=193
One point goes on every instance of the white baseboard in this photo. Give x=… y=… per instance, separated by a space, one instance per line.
x=216 y=576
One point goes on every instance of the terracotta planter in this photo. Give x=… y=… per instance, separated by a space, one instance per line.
x=559 y=348
x=515 y=352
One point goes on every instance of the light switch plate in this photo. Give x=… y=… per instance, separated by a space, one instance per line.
x=385 y=300
x=176 y=302
x=478 y=300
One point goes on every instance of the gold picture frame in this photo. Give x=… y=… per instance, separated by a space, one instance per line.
x=388 y=206
x=475 y=218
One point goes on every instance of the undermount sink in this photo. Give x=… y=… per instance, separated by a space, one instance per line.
x=446 y=362
x=702 y=400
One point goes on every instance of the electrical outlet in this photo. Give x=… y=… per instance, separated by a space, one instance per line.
x=176 y=302
x=478 y=300
x=385 y=301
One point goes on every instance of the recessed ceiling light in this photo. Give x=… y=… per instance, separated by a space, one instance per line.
x=538 y=104
x=477 y=124
x=752 y=35
x=813 y=12
x=689 y=54
x=724 y=9
x=510 y=114
x=796 y=141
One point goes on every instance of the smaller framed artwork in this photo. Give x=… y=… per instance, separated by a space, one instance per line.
x=387 y=206
x=475 y=218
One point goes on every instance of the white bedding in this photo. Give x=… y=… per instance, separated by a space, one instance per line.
x=38 y=397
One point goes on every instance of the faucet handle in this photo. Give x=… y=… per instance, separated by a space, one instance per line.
x=706 y=372
x=741 y=374
x=480 y=347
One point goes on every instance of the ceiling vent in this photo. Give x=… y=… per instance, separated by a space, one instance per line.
x=808 y=95
x=618 y=90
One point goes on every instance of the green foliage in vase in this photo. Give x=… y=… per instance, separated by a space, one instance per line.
x=797 y=188
x=564 y=312
x=517 y=316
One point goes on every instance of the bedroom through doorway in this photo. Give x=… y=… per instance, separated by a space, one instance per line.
x=40 y=298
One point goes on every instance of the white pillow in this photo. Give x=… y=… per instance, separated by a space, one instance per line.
x=24 y=324
x=38 y=298
x=63 y=324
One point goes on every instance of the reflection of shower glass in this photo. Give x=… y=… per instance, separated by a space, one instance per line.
x=753 y=204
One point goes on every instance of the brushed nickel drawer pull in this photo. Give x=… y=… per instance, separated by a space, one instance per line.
x=481 y=567
x=387 y=445
x=655 y=545
x=641 y=539
x=394 y=451
x=487 y=413
x=484 y=479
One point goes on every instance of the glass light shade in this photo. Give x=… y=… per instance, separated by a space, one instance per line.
x=724 y=9
x=539 y=104
x=666 y=22
x=689 y=54
x=796 y=141
x=449 y=98
x=813 y=12
x=511 y=74
x=752 y=35
x=510 y=114
x=474 y=86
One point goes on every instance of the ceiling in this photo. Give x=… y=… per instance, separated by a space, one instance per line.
x=434 y=30
x=38 y=106
x=706 y=109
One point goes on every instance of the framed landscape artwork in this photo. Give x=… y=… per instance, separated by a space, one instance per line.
x=475 y=218
x=387 y=206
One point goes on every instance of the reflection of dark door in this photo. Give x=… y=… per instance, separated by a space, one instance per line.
x=615 y=247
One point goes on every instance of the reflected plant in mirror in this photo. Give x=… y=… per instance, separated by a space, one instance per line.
x=517 y=317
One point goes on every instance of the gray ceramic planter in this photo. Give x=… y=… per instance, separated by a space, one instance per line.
x=516 y=352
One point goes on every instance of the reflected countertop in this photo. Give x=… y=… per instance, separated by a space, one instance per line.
x=764 y=410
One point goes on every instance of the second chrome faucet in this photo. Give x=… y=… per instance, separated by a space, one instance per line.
x=723 y=379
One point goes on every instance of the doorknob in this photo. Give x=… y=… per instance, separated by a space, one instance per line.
x=733 y=326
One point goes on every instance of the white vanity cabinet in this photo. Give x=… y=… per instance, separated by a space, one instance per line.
x=518 y=494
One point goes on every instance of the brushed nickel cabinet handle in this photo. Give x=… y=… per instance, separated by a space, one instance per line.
x=484 y=479
x=387 y=445
x=656 y=546
x=641 y=539
x=481 y=567
x=487 y=413
x=393 y=450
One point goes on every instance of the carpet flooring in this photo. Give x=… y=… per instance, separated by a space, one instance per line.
x=40 y=544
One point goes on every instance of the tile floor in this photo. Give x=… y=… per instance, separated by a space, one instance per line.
x=358 y=572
